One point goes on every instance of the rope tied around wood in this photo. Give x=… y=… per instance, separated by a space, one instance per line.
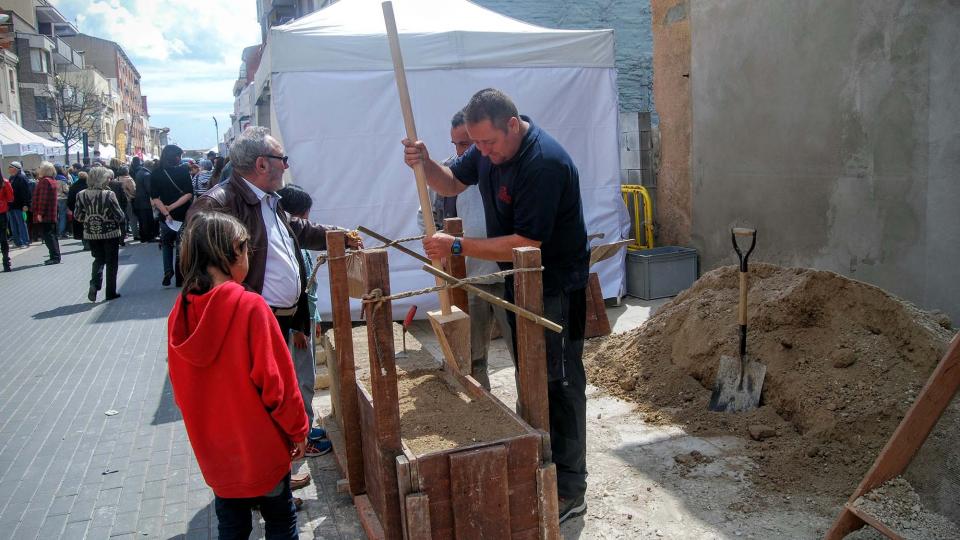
x=376 y=296
x=323 y=257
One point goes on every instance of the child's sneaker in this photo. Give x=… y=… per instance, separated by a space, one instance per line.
x=318 y=448
x=317 y=433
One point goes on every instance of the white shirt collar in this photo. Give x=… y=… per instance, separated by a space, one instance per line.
x=259 y=193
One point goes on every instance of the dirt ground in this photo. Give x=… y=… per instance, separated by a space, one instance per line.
x=845 y=360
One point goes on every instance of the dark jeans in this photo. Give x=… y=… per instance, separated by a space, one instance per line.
x=566 y=386
x=49 y=232
x=4 y=244
x=105 y=253
x=279 y=514
x=170 y=242
x=148 y=225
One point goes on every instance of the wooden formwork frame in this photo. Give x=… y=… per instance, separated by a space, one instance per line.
x=904 y=444
x=498 y=489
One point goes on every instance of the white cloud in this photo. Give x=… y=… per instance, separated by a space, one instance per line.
x=187 y=53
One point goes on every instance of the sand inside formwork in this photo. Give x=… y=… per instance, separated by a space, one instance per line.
x=434 y=415
x=898 y=506
x=844 y=362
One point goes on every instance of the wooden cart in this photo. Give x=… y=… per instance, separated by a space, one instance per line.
x=503 y=488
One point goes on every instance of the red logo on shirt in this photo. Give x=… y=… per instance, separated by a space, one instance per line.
x=504 y=195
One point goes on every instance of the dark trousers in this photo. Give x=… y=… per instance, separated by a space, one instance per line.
x=49 y=232
x=170 y=251
x=147 y=225
x=566 y=386
x=105 y=253
x=4 y=243
x=279 y=514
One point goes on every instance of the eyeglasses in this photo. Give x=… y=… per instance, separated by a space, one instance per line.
x=284 y=159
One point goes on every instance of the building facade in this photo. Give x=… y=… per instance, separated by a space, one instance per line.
x=41 y=55
x=110 y=60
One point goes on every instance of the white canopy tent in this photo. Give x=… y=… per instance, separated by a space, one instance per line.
x=336 y=108
x=17 y=141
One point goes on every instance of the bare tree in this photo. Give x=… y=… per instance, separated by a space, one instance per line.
x=75 y=108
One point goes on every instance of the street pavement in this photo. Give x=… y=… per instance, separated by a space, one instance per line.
x=72 y=468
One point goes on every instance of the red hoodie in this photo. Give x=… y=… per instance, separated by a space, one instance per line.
x=235 y=384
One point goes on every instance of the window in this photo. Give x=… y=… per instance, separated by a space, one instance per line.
x=13 y=81
x=39 y=61
x=43 y=108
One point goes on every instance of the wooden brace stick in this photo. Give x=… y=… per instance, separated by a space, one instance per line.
x=401 y=77
x=441 y=275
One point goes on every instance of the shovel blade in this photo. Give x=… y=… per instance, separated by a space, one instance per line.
x=735 y=391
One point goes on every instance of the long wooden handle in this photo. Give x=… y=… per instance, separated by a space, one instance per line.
x=401 y=77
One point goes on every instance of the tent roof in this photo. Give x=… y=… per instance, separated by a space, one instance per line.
x=434 y=34
x=11 y=133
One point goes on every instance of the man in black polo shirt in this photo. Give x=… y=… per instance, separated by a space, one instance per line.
x=531 y=197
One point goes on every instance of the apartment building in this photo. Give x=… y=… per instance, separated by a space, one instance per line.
x=110 y=59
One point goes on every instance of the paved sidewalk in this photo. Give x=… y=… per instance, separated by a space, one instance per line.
x=67 y=469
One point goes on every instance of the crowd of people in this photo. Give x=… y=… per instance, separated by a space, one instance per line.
x=244 y=268
x=241 y=333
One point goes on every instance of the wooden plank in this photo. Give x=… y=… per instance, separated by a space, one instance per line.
x=907 y=439
x=368 y=518
x=479 y=492
x=383 y=386
x=453 y=335
x=406 y=107
x=918 y=422
x=417 y=506
x=346 y=379
x=331 y=424
x=874 y=522
x=531 y=345
x=457 y=265
x=403 y=489
x=597 y=322
x=547 y=502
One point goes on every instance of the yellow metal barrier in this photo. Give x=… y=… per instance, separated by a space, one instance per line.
x=642 y=228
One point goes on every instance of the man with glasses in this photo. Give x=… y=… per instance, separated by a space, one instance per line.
x=277 y=270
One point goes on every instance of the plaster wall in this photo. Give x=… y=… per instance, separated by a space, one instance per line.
x=834 y=129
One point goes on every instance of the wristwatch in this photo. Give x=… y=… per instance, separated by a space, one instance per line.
x=456 y=248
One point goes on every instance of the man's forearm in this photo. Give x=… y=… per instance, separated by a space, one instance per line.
x=499 y=248
x=441 y=179
x=181 y=201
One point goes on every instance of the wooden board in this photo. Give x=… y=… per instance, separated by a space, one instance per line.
x=478 y=486
x=383 y=383
x=597 y=322
x=343 y=370
x=368 y=518
x=907 y=439
x=548 y=503
x=453 y=335
x=531 y=344
x=417 y=511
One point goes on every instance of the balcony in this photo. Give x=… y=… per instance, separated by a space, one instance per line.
x=40 y=41
x=63 y=54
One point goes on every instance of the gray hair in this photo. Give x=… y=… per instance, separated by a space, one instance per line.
x=250 y=145
x=98 y=177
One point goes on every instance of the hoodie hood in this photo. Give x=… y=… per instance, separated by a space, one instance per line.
x=197 y=334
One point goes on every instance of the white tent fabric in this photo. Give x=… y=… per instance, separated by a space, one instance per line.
x=17 y=141
x=341 y=124
x=107 y=151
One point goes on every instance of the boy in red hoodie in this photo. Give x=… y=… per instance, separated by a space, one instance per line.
x=6 y=198
x=234 y=382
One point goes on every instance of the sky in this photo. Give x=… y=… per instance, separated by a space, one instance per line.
x=187 y=53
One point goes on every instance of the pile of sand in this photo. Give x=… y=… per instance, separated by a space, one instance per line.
x=844 y=362
x=898 y=506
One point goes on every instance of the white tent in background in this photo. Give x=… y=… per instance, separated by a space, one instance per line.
x=335 y=107
x=17 y=141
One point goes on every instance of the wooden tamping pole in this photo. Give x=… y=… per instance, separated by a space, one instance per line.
x=401 y=77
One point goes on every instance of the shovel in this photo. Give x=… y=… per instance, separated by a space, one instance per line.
x=739 y=381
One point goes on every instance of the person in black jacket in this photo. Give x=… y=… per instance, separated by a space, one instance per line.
x=21 y=203
x=75 y=188
x=171 y=191
x=141 y=203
